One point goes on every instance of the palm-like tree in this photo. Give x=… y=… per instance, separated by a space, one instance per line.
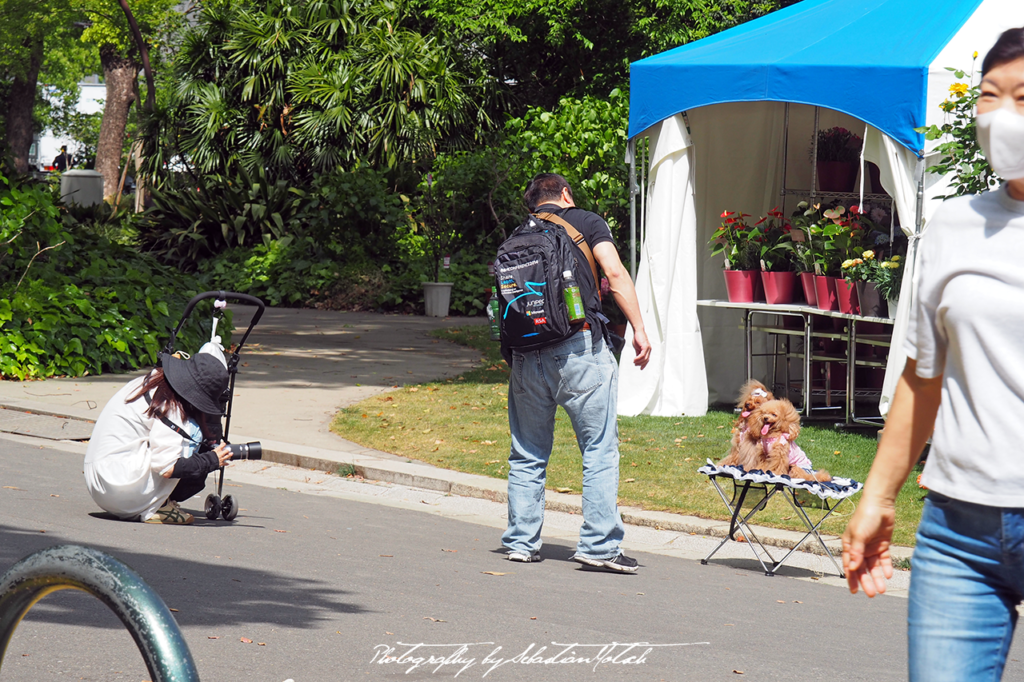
x=303 y=86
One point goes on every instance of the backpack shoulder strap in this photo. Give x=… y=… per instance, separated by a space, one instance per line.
x=576 y=238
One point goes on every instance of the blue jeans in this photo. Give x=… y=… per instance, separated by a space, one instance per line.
x=966 y=580
x=579 y=374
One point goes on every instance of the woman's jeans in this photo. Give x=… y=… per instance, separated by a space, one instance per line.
x=579 y=374
x=966 y=580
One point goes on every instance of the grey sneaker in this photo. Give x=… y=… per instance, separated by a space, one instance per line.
x=618 y=564
x=523 y=557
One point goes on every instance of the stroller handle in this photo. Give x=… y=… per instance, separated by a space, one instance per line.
x=224 y=296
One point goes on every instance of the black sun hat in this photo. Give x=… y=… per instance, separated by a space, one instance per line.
x=201 y=380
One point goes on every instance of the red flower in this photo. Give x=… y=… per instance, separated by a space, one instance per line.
x=724 y=214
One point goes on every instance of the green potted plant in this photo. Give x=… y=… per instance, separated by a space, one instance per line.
x=804 y=239
x=742 y=254
x=888 y=278
x=836 y=162
x=772 y=234
x=434 y=222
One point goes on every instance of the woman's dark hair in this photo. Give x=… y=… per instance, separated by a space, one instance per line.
x=165 y=401
x=1009 y=48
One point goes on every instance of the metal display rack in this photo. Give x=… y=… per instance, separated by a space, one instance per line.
x=820 y=399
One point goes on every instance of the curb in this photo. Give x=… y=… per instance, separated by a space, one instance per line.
x=374 y=465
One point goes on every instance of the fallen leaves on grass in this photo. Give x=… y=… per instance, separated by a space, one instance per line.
x=563 y=490
x=630 y=480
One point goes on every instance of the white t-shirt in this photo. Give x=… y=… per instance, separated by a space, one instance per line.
x=968 y=326
x=129 y=452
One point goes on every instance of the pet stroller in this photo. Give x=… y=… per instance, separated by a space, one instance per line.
x=218 y=504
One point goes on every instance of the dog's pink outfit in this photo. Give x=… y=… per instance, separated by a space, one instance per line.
x=797 y=457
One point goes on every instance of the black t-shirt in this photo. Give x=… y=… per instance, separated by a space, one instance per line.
x=592 y=226
x=595 y=231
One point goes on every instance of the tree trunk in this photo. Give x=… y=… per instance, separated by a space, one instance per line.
x=119 y=72
x=22 y=100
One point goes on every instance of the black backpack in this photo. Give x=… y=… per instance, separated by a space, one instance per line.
x=531 y=287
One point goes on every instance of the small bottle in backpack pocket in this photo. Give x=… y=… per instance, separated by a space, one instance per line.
x=494 y=315
x=573 y=298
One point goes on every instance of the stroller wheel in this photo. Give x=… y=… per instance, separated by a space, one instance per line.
x=213 y=506
x=229 y=508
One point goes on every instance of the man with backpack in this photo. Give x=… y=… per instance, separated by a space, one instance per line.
x=560 y=354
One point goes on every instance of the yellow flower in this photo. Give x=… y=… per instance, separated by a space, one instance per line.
x=868 y=255
x=975 y=54
x=958 y=89
x=895 y=258
x=848 y=264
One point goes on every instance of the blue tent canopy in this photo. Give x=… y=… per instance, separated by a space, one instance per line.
x=866 y=58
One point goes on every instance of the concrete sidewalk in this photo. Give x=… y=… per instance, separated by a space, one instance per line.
x=300 y=366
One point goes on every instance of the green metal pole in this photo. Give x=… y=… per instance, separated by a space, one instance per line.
x=134 y=602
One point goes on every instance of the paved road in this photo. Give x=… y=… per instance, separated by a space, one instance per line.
x=328 y=583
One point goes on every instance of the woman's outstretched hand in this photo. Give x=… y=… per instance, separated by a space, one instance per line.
x=223 y=454
x=866 y=558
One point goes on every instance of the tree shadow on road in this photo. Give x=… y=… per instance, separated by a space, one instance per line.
x=201 y=593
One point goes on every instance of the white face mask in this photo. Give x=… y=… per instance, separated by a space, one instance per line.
x=1001 y=136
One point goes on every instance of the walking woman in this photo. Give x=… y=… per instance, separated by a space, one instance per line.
x=963 y=386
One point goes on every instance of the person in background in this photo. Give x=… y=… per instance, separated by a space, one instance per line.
x=964 y=386
x=63 y=160
x=581 y=375
x=150 y=448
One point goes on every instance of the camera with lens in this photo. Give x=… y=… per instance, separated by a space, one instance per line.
x=246 y=450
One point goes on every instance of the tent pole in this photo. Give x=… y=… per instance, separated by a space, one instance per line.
x=642 y=223
x=785 y=158
x=919 y=172
x=814 y=155
x=632 y=208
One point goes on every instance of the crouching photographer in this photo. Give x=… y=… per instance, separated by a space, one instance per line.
x=155 y=441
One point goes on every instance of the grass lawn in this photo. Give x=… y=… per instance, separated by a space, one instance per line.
x=462 y=424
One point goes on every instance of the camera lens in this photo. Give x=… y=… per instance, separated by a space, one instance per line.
x=246 y=450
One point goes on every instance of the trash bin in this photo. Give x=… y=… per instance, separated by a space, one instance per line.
x=82 y=187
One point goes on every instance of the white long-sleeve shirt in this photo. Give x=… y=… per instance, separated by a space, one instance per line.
x=129 y=452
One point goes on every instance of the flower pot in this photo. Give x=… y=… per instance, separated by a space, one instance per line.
x=846 y=292
x=436 y=297
x=807 y=282
x=871 y=302
x=742 y=285
x=893 y=305
x=778 y=286
x=836 y=176
x=825 y=293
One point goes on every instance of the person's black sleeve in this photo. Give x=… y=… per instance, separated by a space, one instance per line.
x=198 y=465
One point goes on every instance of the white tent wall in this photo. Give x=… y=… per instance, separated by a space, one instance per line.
x=731 y=160
x=667 y=289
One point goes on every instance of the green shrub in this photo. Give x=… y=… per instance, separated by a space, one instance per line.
x=84 y=306
x=188 y=225
x=353 y=209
